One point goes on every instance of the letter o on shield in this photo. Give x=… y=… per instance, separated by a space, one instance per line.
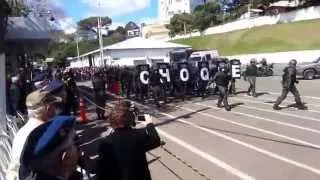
x=204 y=74
x=184 y=74
x=144 y=77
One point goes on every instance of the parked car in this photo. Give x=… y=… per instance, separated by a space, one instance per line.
x=309 y=70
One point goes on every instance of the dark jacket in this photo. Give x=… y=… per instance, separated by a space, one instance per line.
x=289 y=77
x=251 y=70
x=222 y=79
x=122 y=155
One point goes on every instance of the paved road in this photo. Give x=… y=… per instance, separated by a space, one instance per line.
x=250 y=142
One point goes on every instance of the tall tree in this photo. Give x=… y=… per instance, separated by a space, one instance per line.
x=207 y=15
x=180 y=23
x=131 y=25
x=92 y=22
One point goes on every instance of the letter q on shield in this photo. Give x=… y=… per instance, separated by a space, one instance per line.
x=204 y=74
x=144 y=77
x=184 y=74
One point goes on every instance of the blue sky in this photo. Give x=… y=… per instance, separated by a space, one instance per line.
x=121 y=11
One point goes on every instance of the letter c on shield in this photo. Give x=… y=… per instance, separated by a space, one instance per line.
x=144 y=77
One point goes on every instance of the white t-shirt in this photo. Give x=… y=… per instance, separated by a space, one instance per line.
x=17 y=147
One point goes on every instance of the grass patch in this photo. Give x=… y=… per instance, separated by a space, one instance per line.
x=303 y=35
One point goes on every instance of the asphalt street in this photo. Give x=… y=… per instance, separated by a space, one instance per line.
x=250 y=142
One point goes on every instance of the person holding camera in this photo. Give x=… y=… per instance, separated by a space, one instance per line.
x=122 y=155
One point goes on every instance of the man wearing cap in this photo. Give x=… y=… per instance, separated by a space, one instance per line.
x=50 y=152
x=41 y=107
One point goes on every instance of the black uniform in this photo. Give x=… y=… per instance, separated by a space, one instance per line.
x=222 y=80
x=288 y=85
x=157 y=88
x=99 y=88
x=71 y=95
x=251 y=74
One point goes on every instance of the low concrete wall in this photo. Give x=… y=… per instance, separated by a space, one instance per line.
x=280 y=59
x=293 y=16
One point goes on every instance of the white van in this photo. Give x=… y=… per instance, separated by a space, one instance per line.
x=203 y=55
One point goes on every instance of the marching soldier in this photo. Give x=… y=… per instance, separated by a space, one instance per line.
x=288 y=84
x=99 y=88
x=251 y=74
x=222 y=81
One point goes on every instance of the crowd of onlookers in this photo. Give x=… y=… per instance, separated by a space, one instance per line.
x=46 y=148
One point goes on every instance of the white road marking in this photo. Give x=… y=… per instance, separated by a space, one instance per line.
x=252 y=127
x=206 y=156
x=267 y=119
x=286 y=101
x=200 y=153
x=273 y=111
x=249 y=146
x=312 y=97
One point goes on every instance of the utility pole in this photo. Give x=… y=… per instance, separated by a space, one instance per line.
x=77 y=40
x=100 y=38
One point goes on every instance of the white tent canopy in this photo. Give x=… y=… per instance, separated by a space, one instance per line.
x=142 y=43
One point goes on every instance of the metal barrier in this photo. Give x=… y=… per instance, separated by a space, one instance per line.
x=6 y=137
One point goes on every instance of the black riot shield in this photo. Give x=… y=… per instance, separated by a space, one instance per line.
x=235 y=68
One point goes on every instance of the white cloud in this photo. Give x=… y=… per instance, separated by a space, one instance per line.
x=67 y=25
x=115 y=7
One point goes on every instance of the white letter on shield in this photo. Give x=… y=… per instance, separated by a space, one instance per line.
x=144 y=77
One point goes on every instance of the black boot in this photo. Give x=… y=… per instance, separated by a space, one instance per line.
x=228 y=108
x=276 y=107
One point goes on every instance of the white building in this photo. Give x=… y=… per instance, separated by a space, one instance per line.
x=130 y=52
x=168 y=8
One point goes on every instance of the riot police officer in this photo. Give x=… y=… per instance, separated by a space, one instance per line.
x=99 y=88
x=251 y=74
x=157 y=88
x=71 y=93
x=222 y=80
x=288 y=85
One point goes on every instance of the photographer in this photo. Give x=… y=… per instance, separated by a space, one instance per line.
x=122 y=155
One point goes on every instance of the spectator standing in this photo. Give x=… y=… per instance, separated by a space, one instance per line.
x=15 y=94
x=122 y=155
x=50 y=152
x=41 y=107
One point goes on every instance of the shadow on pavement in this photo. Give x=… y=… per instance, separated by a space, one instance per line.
x=261 y=138
x=185 y=116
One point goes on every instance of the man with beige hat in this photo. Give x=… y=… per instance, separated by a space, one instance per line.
x=41 y=106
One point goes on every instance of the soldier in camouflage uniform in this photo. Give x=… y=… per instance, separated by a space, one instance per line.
x=288 y=85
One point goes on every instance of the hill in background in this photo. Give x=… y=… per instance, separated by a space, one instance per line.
x=303 y=35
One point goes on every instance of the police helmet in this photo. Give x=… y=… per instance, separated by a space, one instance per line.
x=223 y=67
x=293 y=62
x=253 y=61
x=263 y=61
